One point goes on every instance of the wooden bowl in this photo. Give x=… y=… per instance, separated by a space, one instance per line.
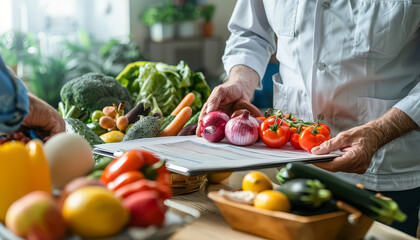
x=285 y=226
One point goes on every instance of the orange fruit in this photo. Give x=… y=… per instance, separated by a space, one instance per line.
x=272 y=200
x=256 y=181
x=94 y=212
x=218 y=177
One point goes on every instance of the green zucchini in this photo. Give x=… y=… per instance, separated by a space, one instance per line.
x=193 y=119
x=76 y=126
x=305 y=193
x=282 y=176
x=385 y=211
x=167 y=121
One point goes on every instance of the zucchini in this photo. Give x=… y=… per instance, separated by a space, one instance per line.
x=282 y=176
x=385 y=211
x=193 y=119
x=76 y=126
x=305 y=193
x=167 y=121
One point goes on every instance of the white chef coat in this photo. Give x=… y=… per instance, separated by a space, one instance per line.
x=345 y=62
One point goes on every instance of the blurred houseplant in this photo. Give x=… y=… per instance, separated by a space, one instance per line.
x=186 y=14
x=45 y=75
x=161 y=21
x=207 y=13
x=16 y=46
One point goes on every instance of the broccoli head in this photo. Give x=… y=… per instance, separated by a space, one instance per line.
x=94 y=91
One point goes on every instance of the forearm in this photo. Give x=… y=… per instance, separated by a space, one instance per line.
x=246 y=77
x=393 y=124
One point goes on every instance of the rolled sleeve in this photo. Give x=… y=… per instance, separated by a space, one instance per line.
x=411 y=104
x=14 y=99
x=252 y=41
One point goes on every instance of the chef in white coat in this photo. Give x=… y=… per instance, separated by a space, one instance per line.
x=353 y=64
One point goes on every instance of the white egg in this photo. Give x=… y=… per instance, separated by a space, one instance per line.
x=69 y=156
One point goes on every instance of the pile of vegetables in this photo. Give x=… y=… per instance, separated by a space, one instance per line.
x=94 y=91
x=275 y=130
x=308 y=191
x=133 y=188
x=163 y=85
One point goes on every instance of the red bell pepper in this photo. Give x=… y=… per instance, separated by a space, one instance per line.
x=130 y=161
x=164 y=191
x=124 y=179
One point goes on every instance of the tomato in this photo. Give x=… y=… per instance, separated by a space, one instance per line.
x=295 y=134
x=289 y=116
x=313 y=136
x=262 y=118
x=274 y=132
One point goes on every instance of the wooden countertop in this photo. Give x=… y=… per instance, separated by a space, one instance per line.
x=212 y=226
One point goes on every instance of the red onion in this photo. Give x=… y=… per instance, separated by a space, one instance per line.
x=213 y=126
x=242 y=130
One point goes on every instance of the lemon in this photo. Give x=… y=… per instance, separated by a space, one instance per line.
x=256 y=181
x=218 y=177
x=112 y=136
x=94 y=212
x=272 y=200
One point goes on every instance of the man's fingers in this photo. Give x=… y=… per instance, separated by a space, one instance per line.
x=214 y=100
x=329 y=146
x=336 y=165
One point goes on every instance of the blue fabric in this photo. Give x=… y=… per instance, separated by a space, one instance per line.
x=264 y=98
x=14 y=101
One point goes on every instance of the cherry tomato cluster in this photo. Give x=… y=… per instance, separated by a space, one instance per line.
x=278 y=129
x=23 y=134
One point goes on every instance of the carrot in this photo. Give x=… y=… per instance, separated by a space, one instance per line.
x=186 y=102
x=178 y=123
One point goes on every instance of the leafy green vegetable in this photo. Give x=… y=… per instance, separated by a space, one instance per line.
x=94 y=91
x=70 y=111
x=165 y=83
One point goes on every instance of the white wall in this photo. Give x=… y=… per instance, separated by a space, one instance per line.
x=108 y=19
x=139 y=32
x=224 y=9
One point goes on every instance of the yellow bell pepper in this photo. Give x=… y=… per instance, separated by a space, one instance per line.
x=23 y=169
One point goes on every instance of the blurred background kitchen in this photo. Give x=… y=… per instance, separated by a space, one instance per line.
x=48 y=42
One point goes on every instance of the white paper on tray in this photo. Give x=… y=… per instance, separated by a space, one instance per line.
x=192 y=155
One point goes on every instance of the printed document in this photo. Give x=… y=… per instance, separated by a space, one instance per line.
x=192 y=155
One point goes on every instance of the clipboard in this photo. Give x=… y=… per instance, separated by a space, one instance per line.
x=192 y=155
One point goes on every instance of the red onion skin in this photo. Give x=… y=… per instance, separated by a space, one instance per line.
x=242 y=130
x=213 y=126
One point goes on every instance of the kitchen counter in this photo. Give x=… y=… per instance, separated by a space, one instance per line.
x=211 y=225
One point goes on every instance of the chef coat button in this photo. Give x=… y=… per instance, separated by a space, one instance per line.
x=322 y=66
x=326 y=5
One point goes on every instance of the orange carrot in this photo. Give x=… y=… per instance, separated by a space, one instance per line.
x=186 y=102
x=178 y=123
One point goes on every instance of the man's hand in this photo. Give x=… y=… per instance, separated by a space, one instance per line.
x=44 y=116
x=359 y=148
x=361 y=143
x=233 y=95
